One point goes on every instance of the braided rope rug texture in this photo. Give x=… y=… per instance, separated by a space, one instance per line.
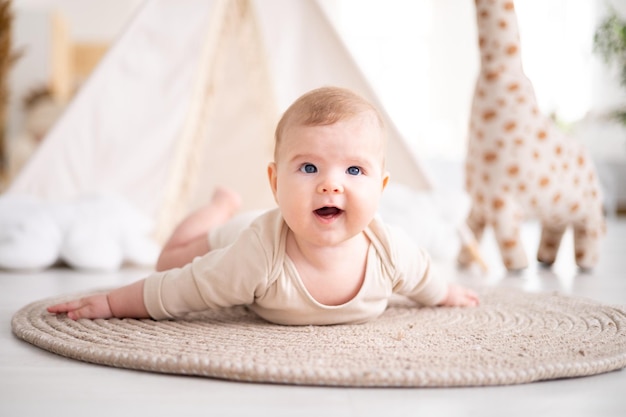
x=513 y=337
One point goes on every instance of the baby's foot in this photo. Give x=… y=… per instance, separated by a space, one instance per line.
x=225 y=200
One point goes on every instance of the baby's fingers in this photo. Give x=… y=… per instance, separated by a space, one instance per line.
x=472 y=300
x=92 y=307
x=65 y=307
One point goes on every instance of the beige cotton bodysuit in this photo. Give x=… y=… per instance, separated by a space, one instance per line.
x=255 y=271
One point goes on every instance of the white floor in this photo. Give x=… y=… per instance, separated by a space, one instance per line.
x=34 y=382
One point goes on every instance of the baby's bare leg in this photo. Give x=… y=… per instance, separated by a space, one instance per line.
x=189 y=239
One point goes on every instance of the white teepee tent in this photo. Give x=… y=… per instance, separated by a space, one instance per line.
x=187 y=99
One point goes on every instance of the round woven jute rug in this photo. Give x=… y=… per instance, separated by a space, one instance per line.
x=513 y=337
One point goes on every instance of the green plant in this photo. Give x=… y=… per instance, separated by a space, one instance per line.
x=609 y=41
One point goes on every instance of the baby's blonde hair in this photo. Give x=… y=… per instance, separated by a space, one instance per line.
x=325 y=106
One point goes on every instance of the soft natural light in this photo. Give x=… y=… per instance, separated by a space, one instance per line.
x=557 y=43
x=390 y=41
x=422 y=59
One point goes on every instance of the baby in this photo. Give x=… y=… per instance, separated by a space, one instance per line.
x=322 y=257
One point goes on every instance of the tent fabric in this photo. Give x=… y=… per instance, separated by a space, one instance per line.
x=187 y=99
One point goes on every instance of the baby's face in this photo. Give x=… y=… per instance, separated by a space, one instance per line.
x=328 y=180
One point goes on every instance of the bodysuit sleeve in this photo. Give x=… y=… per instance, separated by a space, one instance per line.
x=234 y=275
x=412 y=271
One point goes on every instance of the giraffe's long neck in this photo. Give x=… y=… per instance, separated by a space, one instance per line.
x=498 y=36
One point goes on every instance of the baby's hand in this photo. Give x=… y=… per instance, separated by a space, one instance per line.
x=458 y=296
x=92 y=307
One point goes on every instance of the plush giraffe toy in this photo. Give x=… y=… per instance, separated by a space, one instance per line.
x=519 y=165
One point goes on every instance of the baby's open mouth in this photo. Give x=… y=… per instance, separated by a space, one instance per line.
x=328 y=212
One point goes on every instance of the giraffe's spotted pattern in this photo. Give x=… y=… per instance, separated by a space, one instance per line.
x=519 y=165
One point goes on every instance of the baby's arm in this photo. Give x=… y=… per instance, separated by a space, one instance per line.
x=458 y=296
x=122 y=302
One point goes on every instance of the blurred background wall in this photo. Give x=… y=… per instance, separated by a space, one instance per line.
x=421 y=57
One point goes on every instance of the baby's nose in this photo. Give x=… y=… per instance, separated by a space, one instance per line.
x=330 y=187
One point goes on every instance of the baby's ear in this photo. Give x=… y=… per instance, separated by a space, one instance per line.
x=385 y=179
x=272 y=177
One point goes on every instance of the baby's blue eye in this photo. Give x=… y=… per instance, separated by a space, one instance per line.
x=354 y=171
x=308 y=168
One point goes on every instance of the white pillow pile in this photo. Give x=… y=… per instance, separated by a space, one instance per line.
x=430 y=218
x=94 y=233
